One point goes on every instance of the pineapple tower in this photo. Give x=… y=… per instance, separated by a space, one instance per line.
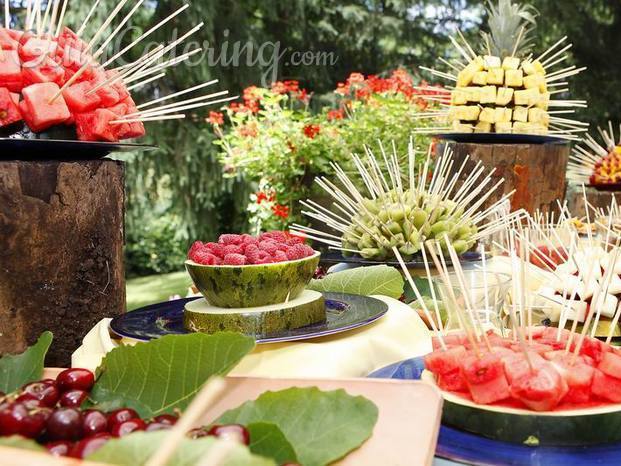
x=504 y=88
x=596 y=163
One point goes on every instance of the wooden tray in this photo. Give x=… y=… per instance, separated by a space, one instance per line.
x=405 y=434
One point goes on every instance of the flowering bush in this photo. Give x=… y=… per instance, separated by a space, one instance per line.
x=279 y=144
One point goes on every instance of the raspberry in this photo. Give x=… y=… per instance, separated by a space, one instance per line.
x=260 y=257
x=250 y=249
x=278 y=236
x=299 y=251
x=196 y=246
x=268 y=246
x=293 y=240
x=234 y=259
x=230 y=239
x=216 y=249
x=206 y=258
x=248 y=239
x=233 y=249
x=280 y=256
x=265 y=260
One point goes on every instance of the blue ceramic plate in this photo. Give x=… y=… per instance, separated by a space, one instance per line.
x=343 y=312
x=463 y=447
x=500 y=138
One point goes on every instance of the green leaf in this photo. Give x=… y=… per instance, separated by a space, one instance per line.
x=18 y=369
x=16 y=441
x=136 y=448
x=321 y=426
x=376 y=279
x=164 y=374
x=266 y=439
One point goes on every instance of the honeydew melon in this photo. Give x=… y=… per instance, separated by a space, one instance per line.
x=306 y=309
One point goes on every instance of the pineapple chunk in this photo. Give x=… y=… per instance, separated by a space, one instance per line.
x=529 y=128
x=496 y=76
x=464 y=112
x=483 y=127
x=504 y=127
x=535 y=80
x=474 y=94
x=514 y=78
x=539 y=67
x=488 y=95
x=538 y=116
x=520 y=114
x=480 y=78
x=488 y=115
x=491 y=61
x=502 y=115
x=459 y=96
x=527 y=97
x=504 y=96
x=464 y=77
x=528 y=67
x=544 y=101
x=460 y=127
x=478 y=64
x=510 y=63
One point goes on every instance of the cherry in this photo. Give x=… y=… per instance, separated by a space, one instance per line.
x=73 y=398
x=75 y=379
x=169 y=419
x=59 y=448
x=233 y=431
x=121 y=415
x=45 y=392
x=34 y=423
x=86 y=446
x=153 y=426
x=127 y=427
x=65 y=424
x=18 y=418
x=94 y=422
x=197 y=433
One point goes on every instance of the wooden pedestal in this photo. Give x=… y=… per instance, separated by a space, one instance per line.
x=598 y=199
x=61 y=251
x=535 y=171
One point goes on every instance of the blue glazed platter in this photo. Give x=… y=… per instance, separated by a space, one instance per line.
x=466 y=448
x=343 y=312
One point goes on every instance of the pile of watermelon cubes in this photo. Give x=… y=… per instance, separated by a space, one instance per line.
x=33 y=69
x=267 y=248
x=504 y=375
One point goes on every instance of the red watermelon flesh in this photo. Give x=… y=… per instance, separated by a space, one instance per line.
x=593 y=347
x=6 y=41
x=35 y=47
x=69 y=38
x=84 y=124
x=565 y=358
x=15 y=97
x=485 y=378
x=443 y=362
x=541 y=389
x=452 y=382
x=41 y=112
x=517 y=366
x=610 y=365
x=14 y=34
x=103 y=130
x=42 y=70
x=10 y=71
x=73 y=58
x=136 y=130
x=27 y=116
x=579 y=378
x=79 y=100
x=451 y=339
x=606 y=387
x=9 y=111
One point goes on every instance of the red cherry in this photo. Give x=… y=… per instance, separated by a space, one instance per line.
x=59 y=448
x=169 y=419
x=94 y=422
x=233 y=431
x=65 y=424
x=11 y=416
x=124 y=428
x=121 y=415
x=45 y=392
x=153 y=426
x=73 y=398
x=87 y=446
x=75 y=379
x=34 y=423
x=197 y=433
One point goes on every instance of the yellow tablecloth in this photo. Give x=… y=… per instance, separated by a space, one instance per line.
x=398 y=335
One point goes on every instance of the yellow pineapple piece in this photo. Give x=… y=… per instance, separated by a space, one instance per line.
x=488 y=115
x=464 y=77
x=528 y=67
x=490 y=61
x=520 y=114
x=496 y=76
x=504 y=127
x=544 y=101
x=483 y=127
x=529 y=128
x=464 y=112
x=514 y=78
x=539 y=67
x=460 y=127
x=538 y=116
x=502 y=115
x=510 y=63
x=459 y=96
x=526 y=97
x=504 y=96
x=488 y=95
x=478 y=64
x=536 y=80
x=480 y=78
x=474 y=94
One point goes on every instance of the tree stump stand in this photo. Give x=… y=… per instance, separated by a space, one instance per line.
x=598 y=199
x=535 y=171
x=61 y=251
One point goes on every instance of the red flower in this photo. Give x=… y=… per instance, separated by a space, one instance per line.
x=292 y=86
x=279 y=87
x=342 y=88
x=355 y=78
x=310 y=131
x=281 y=210
x=248 y=131
x=303 y=96
x=261 y=196
x=335 y=115
x=216 y=118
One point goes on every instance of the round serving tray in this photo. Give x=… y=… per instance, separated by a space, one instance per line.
x=456 y=444
x=343 y=312
x=60 y=149
x=417 y=263
x=500 y=138
x=607 y=187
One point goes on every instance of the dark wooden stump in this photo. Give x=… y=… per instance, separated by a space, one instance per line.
x=599 y=199
x=535 y=171
x=61 y=251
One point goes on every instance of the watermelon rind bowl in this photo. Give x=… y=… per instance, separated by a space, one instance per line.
x=567 y=427
x=233 y=286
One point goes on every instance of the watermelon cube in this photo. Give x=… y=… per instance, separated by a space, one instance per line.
x=84 y=123
x=109 y=96
x=442 y=362
x=73 y=58
x=69 y=38
x=540 y=389
x=610 y=364
x=35 y=47
x=516 y=366
x=579 y=378
x=485 y=378
x=6 y=41
x=14 y=34
x=452 y=382
x=10 y=71
x=594 y=348
x=15 y=96
x=42 y=112
x=135 y=130
x=606 y=387
x=42 y=70
x=78 y=100
x=9 y=111
x=95 y=126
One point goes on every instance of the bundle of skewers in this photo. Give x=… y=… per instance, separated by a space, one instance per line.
x=50 y=76
x=597 y=164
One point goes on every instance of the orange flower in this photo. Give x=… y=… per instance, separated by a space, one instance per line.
x=281 y=210
x=248 y=130
x=310 y=131
x=216 y=118
x=279 y=87
x=355 y=78
x=335 y=115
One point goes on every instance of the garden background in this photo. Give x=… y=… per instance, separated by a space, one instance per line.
x=189 y=188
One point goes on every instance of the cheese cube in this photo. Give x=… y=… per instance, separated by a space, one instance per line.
x=502 y=115
x=464 y=77
x=536 y=115
x=526 y=97
x=480 y=78
x=510 y=63
x=528 y=67
x=504 y=96
x=514 y=78
x=520 y=114
x=459 y=96
x=502 y=127
x=487 y=115
x=544 y=101
x=488 y=95
x=490 y=61
x=459 y=127
x=483 y=127
x=496 y=76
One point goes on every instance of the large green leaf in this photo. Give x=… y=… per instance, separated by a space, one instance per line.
x=266 y=439
x=376 y=279
x=164 y=374
x=135 y=449
x=18 y=369
x=321 y=426
x=15 y=441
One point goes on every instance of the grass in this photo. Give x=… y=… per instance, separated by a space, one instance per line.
x=156 y=288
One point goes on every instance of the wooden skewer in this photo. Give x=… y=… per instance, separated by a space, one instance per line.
x=88 y=17
x=137 y=119
x=166 y=64
x=540 y=57
x=146 y=81
x=176 y=94
x=432 y=289
x=7 y=15
x=546 y=62
x=517 y=41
